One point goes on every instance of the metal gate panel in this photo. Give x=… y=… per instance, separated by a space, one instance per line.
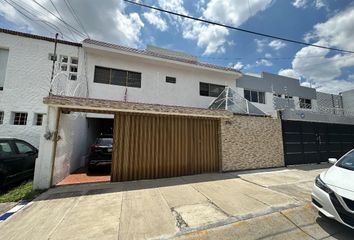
x=310 y=142
x=156 y=146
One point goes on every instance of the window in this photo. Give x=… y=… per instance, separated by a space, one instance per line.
x=38 y=119
x=70 y=67
x=4 y=54
x=64 y=59
x=255 y=96
x=117 y=77
x=210 y=90
x=277 y=95
x=73 y=69
x=305 y=103
x=288 y=97
x=5 y=149
x=23 y=147
x=74 y=60
x=1 y=117
x=170 y=79
x=20 y=118
x=64 y=68
x=72 y=77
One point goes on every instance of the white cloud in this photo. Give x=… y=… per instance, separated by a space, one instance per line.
x=337 y=31
x=264 y=62
x=268 y=55
x=318 y=4
x=210 y=37
x=113 y=26
x=238 y=66
x=277 y=44
x=234 y=12
x=289 y=73
x=260 y=44
x=154 y=18
x=213 y=38
x=300 y=3
x=318 y=66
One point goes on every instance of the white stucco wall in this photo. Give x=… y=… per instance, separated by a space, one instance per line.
x=154 y=88
x=27 y=82
x=71 y=146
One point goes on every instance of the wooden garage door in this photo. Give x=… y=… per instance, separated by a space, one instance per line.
x=156 y=146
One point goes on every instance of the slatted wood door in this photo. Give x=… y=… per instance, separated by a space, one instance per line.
x=157 y=146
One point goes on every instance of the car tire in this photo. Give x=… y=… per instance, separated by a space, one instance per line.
x=2 y=180
x=90 y=168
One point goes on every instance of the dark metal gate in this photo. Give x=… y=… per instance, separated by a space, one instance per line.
x=310 y=142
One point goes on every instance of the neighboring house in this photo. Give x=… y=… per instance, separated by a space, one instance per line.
x=272 y=93
x=25 y=72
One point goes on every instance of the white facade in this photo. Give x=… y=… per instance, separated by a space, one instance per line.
x=27 y=81
x=154 y=88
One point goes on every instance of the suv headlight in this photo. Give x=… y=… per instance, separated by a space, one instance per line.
x=319 y=183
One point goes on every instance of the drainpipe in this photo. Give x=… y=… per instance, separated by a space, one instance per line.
x=55 y=140
x=54 y=59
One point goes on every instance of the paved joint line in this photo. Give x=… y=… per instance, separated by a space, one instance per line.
x=121 y=211
x=66 y=213
x=211 y=202
x=296 y=225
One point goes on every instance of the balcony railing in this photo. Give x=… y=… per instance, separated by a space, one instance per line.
x=281 y=104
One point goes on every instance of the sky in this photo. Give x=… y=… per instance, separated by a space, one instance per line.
x=324 y=22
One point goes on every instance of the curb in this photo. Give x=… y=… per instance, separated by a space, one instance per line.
x=13 y=210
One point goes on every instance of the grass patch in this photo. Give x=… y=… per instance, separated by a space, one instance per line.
x=21 y=192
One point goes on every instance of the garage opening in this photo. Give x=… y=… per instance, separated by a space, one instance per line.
x=84 y=150
x=131 y=146
x=148 y=146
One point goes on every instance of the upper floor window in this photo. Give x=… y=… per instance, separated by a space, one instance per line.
x=210 y=90
x=4 y=54
x=117 y=77
x=255 y=96
x=69 y=65
x=19 y=118
x=305 y=103
x=170 y=79
x=1 y=117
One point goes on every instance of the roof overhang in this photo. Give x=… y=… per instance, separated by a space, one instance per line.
x=79 y=104
x=92 y=46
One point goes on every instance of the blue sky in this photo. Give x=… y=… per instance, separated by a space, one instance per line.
x=325 y=22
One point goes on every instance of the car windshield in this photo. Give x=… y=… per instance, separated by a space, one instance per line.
x=347 y=161
x=104 y=141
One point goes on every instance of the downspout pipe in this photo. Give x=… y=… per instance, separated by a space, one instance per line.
x=55 y=140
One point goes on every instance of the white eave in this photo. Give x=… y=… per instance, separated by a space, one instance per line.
x=146 y=55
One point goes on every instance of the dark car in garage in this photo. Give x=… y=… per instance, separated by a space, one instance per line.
x=17 y=160
x=101 y=153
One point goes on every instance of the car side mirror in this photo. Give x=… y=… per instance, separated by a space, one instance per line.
x=332 y=160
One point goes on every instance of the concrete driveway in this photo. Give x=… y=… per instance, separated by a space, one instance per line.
x=259 y=204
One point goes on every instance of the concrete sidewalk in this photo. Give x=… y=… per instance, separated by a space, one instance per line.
x=155 y=209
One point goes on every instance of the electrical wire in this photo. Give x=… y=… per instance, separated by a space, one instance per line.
x=68 y=5
x=72 y=34
x=34 y=20
x=74 y=29
x=33 y=11
x=236 y=28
